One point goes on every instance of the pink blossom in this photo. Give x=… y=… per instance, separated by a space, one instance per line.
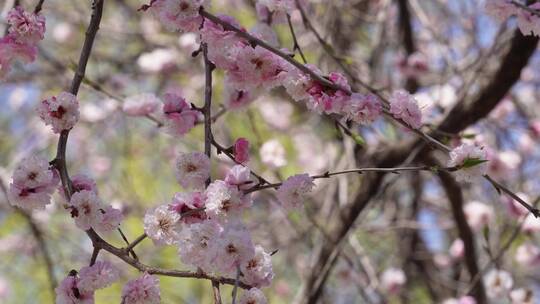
x=236 y=99
x=33 y=183
x=253 y=296
x=143 y=290
x=462 y=300
x=256 y=68
x=222 y=44
x=534 y=126
x=403 y=106
x=327 y=100
x=529 y=23
x=141 y=105
x=197 y=245
x=515 y=208
x=186 y=204
x=478 y=214
x=522 y=296
x=162 y=225
x=178 y=15
x=363 y=109
x=272 y=154
x=258 y=270
x=500 y=9
x=240 y=177
x=224 y=200
x=461 y=154
x=498 y=283
x=297 y=83
x=414 y=65
x=527 y=255
x=68 y=292
x=86 y=209
x=241 y=150
x=25 y=27
x=234 y=248
x=109 y=220
x=79 y=183
x=97 y=276
x=192 y=169
x=531 y=224
x=457 y=249
x=285 y=6
x=11 y=51
x=180 y=118
x=393 y=279
x=60 y=112
x=293 y=191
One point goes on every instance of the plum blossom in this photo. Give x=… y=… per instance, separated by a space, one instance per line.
x=60 y=112
x=297 y=82
x=177 y=15
x=363 y=109
x=273 y=154
x=180 y=118
x=33 y=183
x=293 y=191
x=531 y=224
x=258 y=270
x=143 y=290
x=500 y=9
x=478 y=214
x=224 y=200
x=413 y=65
x=186 y=205
x=522 y=296
x=141 y=104
x=256 y=68
x=460 y=155
x=392 y=280
x=25 y=27
x=403 y=106
x=85 y=208
x=192 y=169
x=162 y=225
x=234 y=248
x=109 y=220
x=498 y=283
x=253 y=296
x=223 y=45
x=197 y=245
x=241 y=150
x=457 y=249
x=528 y=23
x=11 y=51
x=100 y=275
x=80 y=182
x=236 y=99
x=240 y=177
x=327 y=100
x=527 y=254
x=68 y=292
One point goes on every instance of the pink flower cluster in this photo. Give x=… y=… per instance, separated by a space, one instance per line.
x=403 y=106
x=34 y=181
x=528 y=23
x=241 y=150
x=180 y=118
x=274 y=11
x=89 y=212
x=80 y=287
x=468 y=152
x=143 y=290
x=293 y=191
x=25 y=31
x=60 y=112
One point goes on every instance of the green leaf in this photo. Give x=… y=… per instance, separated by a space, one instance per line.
x=471 y=162
x=358 y=139
x=468 y=136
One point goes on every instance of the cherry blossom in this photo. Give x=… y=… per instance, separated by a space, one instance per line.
x=223 y=44
x=325 y=100
x=294 y=190
x=33 y=183
x=186 y=205
x=25 y=27
x=531 y=224
x=527 y=254
x=253 y=296
x=68 y=292
x=403 y=106
x=500 y=9
x=143 y=290
x=180 y=118
x=413 y=65
x=363 y=109
x=60 y=112
x=460 y=155
x=236 y=99
x=234 y=248
x=240 y=177
x=224 y=200
x=178 y=15
x=478 y=214
x=11 y=51
x=85 y=209
x=162 y=225
x=522 y=296
x=80 y=182
x=498 y=283
x=393 y=279
x=273 y=154
x=109 y=220
x=100 y=275
x=529 y=23
x=241 y=150
x=198 y=246
x=141 y=104
x=457 y=249
x=258 y=270
x=192 y=169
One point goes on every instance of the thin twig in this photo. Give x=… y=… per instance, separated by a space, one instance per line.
x=235 y=288
x=296 y=46
x=217 y=294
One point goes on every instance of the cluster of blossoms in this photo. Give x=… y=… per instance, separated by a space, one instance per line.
x=528 y=22
x=60 y=112
x=470 y=159
x=251 y=70
x=26 y=29
x=79 y=287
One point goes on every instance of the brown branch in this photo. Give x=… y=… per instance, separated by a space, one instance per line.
x=217 y=294
x=408 y=39
x=38 y=7
x=296 y=45
x=207 y=109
